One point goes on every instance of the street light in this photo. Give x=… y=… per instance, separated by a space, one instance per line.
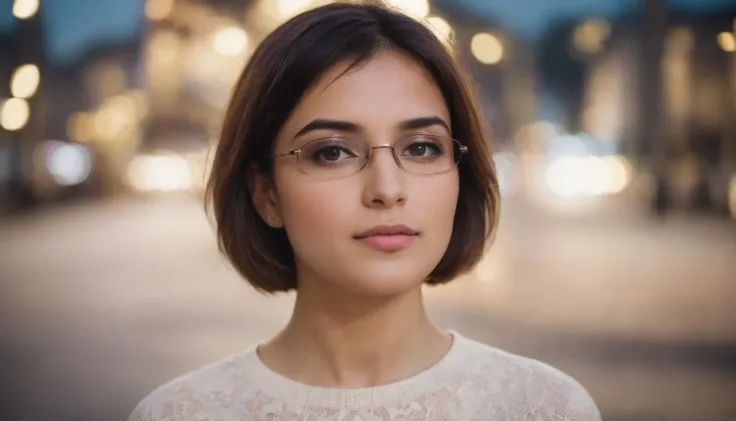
x=416 y=8
x=25 y=9
x=590 y=36
x=159 y=9
x=230 y=41
x=441 y=28
x=115 y=116
x=289 y=8
x=727 y=41
x=80 y=127
x=24 y=81
x=486 y=48
x=164 y=172
x=14 y=114
x=68 y=164
x=164 y=47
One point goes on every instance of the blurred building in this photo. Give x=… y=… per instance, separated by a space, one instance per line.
x=698 y=104
x=192 y=54
x=22 y=105
x=7 y=40
x=610 y=83
x=698 y=100
x=67 y=130
x=187 y=77
x=104 y=107
x=560 y=76
x=700 y=60
x=502 y=67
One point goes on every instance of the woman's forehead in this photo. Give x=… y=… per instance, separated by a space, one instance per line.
x=386 y=89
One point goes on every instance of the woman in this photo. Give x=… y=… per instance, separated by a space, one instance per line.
x=353 y=168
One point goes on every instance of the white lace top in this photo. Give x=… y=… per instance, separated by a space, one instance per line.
x=473 y=382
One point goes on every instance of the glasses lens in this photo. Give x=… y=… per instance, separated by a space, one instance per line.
x=333 y=157
x=426 y=154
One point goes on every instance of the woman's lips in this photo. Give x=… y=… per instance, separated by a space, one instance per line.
x=393 y=242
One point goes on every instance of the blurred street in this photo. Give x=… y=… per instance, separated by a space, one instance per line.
x=103 y=301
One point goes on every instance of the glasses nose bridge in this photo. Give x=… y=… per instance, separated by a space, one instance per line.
x=392 y=150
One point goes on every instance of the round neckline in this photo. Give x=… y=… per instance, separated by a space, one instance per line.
x=302 y=394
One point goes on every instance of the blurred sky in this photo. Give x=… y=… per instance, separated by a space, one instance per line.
x=76 y=24
x=530 y=17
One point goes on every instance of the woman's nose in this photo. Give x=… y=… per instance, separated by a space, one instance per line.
x=384 y=179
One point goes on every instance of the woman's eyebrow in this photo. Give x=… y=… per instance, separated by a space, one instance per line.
x=327 y=124
x=424 y=122
x=352 y=127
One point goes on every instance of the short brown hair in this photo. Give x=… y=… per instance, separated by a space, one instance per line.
x=288 y=62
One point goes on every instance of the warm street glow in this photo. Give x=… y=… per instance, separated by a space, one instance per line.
x=25 y=80
x=25 y=9
x=230 y=41
x=727 y=41
x=441 y=28
x=14 y=114
x=416 y=8
x=486 y=48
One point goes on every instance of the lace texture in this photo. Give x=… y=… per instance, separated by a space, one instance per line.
x=473 y=382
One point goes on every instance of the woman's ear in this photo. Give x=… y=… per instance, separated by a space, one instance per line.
x=263 y=193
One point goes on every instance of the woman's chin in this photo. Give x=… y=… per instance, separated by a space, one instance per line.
x=382 y=285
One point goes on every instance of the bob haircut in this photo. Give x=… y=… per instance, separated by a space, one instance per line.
x=283 y=67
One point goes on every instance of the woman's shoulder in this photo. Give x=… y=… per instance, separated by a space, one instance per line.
x=528 y=384
x=224 y=384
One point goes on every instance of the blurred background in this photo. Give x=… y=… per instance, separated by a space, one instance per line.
x=615 y=139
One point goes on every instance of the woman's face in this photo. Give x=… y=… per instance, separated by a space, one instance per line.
x=326 y=219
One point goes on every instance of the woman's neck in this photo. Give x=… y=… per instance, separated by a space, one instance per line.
x=350 y=341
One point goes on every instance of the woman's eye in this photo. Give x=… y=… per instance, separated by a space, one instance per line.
x=423 y=149
x=332 y=154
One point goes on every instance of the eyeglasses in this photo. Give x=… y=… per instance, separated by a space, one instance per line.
x=337 y=157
